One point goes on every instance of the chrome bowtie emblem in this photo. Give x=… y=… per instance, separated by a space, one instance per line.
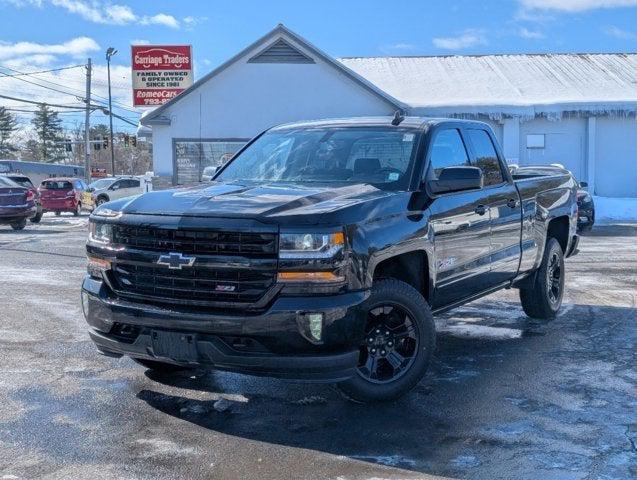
x=176 y=261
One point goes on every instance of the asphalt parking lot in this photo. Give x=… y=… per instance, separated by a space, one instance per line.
x=506 y=398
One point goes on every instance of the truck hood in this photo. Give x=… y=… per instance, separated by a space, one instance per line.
x=234 y=200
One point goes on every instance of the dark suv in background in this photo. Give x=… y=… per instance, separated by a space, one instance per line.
x=17 y=204
x=26 y=182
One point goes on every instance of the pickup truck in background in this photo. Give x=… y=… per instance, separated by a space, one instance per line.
x=323 y=249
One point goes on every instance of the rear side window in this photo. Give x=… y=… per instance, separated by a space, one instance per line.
x=486 y=157
x=5 y=182
x=129 y=183
x=22 y=181
x=57 y=185
x=447 y=150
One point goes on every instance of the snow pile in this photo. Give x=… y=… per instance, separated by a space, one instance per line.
x=615 y=210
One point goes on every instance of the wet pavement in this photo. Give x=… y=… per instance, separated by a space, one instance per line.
x=506 y=397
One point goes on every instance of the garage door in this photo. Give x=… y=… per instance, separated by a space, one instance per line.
x=543 y=142
x=616 y=157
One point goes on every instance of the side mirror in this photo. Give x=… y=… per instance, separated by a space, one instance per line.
x=583 y=184
x=113 y=187
x=457 y=179
x=90 y=189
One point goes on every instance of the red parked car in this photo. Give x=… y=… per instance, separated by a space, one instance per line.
x=17 y=204
x=62 y=195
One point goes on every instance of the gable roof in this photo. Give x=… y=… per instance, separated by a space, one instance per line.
x=500 y=84
x=155 y=117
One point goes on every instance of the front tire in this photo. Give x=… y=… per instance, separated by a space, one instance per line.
x=160 y=367
x=78 y=210
x=400 y=338
x=543 y=298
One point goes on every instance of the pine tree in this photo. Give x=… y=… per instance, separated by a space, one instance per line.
x=8 y=125
x=48 y=129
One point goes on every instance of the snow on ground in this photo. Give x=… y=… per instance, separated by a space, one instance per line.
x=613 y=210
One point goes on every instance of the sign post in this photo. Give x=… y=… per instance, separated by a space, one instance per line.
x=160 y=72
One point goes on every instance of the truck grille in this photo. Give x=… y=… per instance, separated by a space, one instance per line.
x=230 y=269
x=196 y=241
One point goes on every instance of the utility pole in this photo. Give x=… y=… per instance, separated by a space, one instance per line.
x=87 y=126
x=109 y=53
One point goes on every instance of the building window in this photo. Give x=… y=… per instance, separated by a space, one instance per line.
x=192 y=156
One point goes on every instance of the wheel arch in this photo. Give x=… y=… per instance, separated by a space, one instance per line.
x=410 y=267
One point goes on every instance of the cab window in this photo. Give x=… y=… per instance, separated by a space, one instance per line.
x=447 y=150
x=486 y=157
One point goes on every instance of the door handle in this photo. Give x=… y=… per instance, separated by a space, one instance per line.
x=481 y=210
x=512 y=203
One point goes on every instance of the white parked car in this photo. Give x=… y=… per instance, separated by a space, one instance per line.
x=107 y=189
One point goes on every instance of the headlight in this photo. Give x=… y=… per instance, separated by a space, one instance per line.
x=310 y=245
x=100 y=232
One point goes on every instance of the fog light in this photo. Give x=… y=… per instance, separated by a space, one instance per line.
x=315 y=324
x=311 y=326
x=85 y=304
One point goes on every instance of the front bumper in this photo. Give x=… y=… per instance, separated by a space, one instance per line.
x=272 y=343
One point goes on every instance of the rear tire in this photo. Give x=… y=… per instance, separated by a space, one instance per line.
x=400 y=338
x=19 y=225
x=57 y=214
x=543 y=298
x=160 y=367
x=37 y=218
x=78 y=210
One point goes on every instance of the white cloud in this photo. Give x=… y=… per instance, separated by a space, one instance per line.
x=76 y=47
x=397 y=48
x=470 y=38
x=576 y=5
x=98 y=11
x=530 y=34
x=160 y=19
x=139 y=41
x=617 y=32
x=191 y=22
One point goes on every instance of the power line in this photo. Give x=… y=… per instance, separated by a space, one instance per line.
x=39 y=71
x=57 y=105
x=117 y=104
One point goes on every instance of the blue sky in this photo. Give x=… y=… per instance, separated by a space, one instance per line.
x=41 y=34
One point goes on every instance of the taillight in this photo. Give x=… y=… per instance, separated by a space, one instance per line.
x=30 y=195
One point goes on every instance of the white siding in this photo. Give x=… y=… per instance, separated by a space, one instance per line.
x=564 y=143
x=616 y=157
x=246 y=98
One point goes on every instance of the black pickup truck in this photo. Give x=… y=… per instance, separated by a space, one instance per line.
x=323 y=249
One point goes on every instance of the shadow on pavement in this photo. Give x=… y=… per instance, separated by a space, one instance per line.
x=498 y=402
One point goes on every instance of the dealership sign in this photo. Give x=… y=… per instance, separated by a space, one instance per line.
x=160 y=72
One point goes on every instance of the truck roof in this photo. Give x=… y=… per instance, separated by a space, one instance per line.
x=413 y=122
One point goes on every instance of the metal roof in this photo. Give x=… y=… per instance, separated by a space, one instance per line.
x=505 y=83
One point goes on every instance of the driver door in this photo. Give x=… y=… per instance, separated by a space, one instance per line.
x=460 y=224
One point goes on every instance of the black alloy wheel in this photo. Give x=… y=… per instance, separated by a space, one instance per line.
x=391 y=344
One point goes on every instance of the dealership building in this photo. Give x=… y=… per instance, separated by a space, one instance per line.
x=578 y=110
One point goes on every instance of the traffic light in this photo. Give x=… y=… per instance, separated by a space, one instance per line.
x=96 y=144
x=126 y=140
x=105 y=143
x=68 y=146
x=133 y=140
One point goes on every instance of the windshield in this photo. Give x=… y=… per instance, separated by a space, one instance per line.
x=101 y=183
x=381 y=156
